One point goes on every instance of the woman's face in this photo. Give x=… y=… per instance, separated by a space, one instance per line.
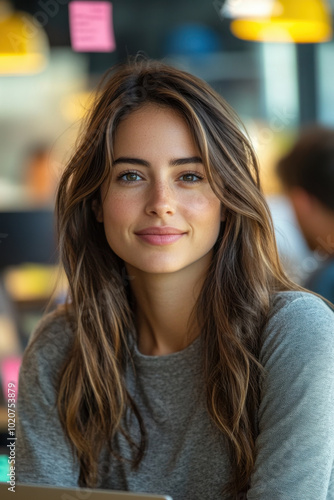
x=159 y=212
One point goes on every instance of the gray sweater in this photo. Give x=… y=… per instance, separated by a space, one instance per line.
x=186 y=456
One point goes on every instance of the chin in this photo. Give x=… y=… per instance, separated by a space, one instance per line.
x=156 y=267
x=163 y=269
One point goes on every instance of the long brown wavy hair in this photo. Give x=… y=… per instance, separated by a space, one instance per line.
x=234 y=302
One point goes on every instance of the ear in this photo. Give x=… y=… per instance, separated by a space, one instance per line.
x=97 y=209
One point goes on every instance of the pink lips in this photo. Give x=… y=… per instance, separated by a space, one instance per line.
x=160 y=235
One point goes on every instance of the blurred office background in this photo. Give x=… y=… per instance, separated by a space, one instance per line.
x=277 y=85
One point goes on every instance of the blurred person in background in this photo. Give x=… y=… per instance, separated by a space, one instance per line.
x=39 y=178
x=307 y=175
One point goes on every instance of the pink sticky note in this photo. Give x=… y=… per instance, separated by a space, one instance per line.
x=91 y=27
x=10 y=368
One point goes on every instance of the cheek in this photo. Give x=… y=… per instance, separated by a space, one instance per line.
x=205 y=208
x=116 y=219
x=117 y=209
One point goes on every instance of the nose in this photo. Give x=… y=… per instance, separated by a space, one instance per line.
x=161 y=200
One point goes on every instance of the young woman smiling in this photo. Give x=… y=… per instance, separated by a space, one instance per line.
x=185 y=361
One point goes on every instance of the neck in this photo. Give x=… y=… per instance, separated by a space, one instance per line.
x=164 y=306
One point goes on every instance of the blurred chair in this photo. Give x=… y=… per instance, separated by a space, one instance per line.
x=27 y=236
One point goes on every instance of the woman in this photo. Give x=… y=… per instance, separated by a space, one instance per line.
x=185 y=361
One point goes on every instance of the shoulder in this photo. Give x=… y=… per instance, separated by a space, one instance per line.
x=48 y=345
x=54 y=329
x=300 y=321
x=325 y=271
x=288 y=302
x=322 y=280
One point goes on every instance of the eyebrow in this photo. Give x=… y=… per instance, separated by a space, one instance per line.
x=173 y=163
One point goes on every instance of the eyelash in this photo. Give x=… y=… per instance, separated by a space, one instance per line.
x=195 y=174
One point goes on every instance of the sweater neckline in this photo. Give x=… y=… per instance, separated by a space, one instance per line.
x=183 y=356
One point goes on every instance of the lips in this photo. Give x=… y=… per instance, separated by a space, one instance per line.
x=159 y=230
x=160 y=235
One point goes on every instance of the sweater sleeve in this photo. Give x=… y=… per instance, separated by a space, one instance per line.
x=295 y=445
x=43 y=453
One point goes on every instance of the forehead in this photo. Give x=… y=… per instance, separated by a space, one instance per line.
x=154 y=127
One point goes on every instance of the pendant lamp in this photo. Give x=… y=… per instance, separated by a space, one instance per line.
x=297 y=21
x=24 y=46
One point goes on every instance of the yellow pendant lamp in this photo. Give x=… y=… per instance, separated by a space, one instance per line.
x=298 y=21
x=24 y=46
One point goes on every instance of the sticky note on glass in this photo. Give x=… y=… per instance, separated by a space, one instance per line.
x=10 y=368
x=91 y=26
